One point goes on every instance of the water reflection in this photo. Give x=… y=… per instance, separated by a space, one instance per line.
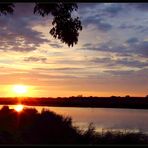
x=103 y=118
x=19 y=107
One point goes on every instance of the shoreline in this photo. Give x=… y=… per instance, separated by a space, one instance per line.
x=82 y=102
x=43 y=105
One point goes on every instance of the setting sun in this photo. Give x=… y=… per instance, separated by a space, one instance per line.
x=20 y=89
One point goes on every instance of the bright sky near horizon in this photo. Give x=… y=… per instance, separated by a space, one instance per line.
x=111 y=57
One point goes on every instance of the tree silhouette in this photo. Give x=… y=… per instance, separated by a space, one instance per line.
x=65 y=27
x=6 y=8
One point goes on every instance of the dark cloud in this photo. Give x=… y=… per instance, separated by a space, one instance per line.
x=138 y=47
x=87 y=45
x=88 y=8
x=105 y=47
x=126 y=26
x=135 y=27
x=134 y=47
x=66 y=68
x=24 y=9
x=101 y=9
x=120 y=72
x=140 y=6
x=124 y=54
x=94 y=19
x=98 y=13
x=143 y=45
x=109 y=62
x=141 y=28
x=144 y=29
x=132 y=40
x=82 y=6
x=97 y=21
x=60 y=69
x=101 y=60
x=112 y=10
x=55 y=45
x=97 y=18
x=141 y=48
x=131 y=63
x=104 y=26
x=35 y=59
x=116 y=7
x=16 y=31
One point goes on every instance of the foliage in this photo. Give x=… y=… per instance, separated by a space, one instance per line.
x=65 y=27
x=7 y=8
x=47 y=127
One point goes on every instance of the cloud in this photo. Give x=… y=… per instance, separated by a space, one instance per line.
x=17 y=33
x=140 y=6
x=139 y=28
x=104 y=26
x=131 y=63
x=113 y=10
x=98 y=14
x=143 y=45
x=59 y=69
x=84 y=6
x=102 y=60
x=94 y=14
x=20 y=8
x=135 y=47
x=138 y=47
x=110 y=63
x=141 y=48
x=120 y=72
x=132 y=40
x=105 y=9
x=126 y=26
x=35 y=59
x=105 y=47
x=98 y=22
x=87 y=45
x=136 y=78
x=56 y=45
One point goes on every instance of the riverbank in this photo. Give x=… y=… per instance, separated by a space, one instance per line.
x=93 y=102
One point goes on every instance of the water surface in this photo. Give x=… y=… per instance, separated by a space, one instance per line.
x=102 y=118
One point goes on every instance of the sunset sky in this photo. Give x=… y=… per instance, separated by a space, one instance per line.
x=111 y=57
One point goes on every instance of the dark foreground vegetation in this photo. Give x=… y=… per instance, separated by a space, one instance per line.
x=32 y=127
x=80 y=101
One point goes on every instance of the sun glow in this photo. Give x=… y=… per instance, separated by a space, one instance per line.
x=19 y=108
x=20 y=89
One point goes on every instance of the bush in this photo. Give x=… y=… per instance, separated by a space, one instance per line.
x=47 y=127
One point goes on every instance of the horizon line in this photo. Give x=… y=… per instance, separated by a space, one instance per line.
x=126 y=96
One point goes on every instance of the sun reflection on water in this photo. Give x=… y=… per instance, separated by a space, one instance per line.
x=19 y=107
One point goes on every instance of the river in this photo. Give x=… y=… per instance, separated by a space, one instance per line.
x=102 y=118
